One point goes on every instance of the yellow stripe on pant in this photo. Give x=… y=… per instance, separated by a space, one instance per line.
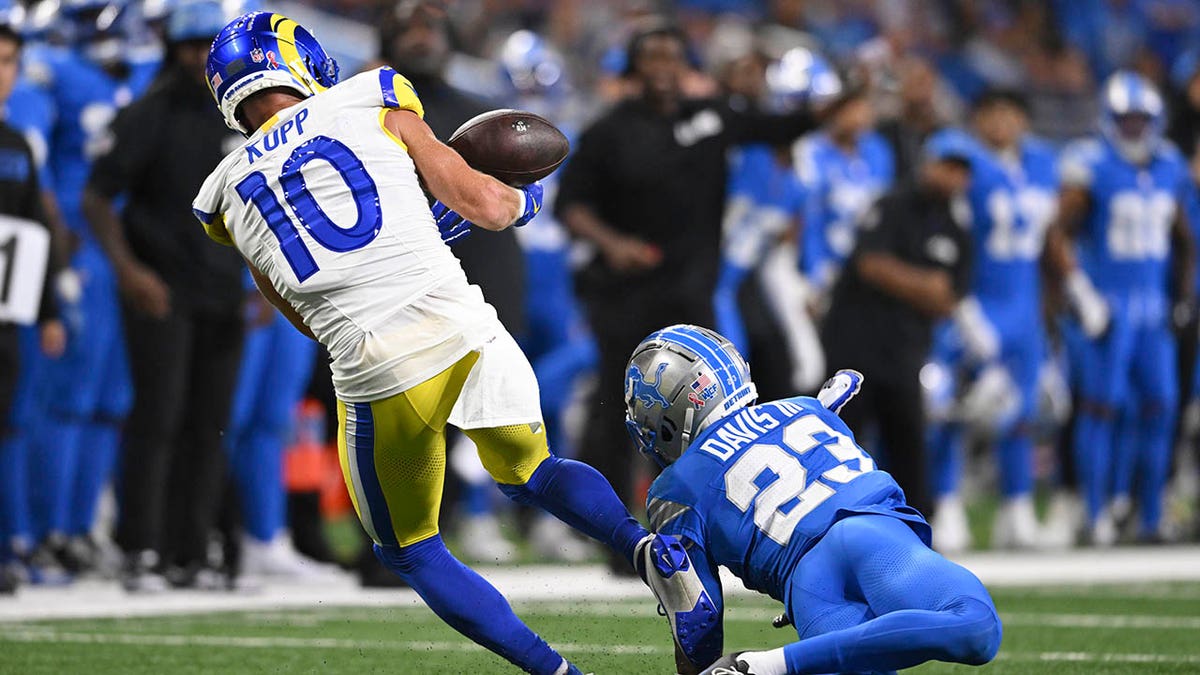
x=393 y=455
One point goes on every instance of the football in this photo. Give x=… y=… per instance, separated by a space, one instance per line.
x=514 y=146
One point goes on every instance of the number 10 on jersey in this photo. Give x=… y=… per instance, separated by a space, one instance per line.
x=256 y=190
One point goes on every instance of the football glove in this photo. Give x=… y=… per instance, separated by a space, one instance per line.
x=839 y=389
x=450 y=225
x=531 y=196
x=1088 y=304
x=978 y=334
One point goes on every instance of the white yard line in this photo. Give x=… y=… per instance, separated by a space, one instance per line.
x=587 y=584
x=34 y=635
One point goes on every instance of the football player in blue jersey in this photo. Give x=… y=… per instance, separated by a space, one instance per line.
x=1012 y=200
x=1120 y=223
x=87 y=391
x=781 y=495
x=766 y=202
x=843 y=167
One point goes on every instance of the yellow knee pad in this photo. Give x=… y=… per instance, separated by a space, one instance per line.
x=511 y=453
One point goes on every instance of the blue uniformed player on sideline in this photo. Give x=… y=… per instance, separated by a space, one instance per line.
x=762 y=216
x=87 y=392
x=414 y=347
x=844 y=167
x=1000 y=325
x=781 y=495
x=1121 y=206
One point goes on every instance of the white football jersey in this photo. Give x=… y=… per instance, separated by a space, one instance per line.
x=326 y=203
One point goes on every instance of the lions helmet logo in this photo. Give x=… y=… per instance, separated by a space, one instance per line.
x=641 y=389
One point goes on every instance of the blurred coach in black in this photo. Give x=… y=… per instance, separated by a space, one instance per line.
x=646 y=187
x=182 y=301
x=910 y=267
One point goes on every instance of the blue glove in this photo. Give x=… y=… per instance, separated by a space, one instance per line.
x=533 y=203
x=451 y=225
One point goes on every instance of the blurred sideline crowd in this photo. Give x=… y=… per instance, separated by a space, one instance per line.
x=986 y=206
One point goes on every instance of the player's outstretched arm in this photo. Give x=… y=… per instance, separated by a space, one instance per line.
x=476 y=196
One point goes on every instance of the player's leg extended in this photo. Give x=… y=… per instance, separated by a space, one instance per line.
x=875 y=598
x=393 y=457
x=498 y=410
x=1155 y=376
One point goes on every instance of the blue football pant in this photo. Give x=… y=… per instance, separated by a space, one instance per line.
x=870 y=596
x=1136 y=364
x=85 y=396
x=277 y=363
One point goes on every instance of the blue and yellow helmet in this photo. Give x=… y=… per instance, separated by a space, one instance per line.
x=261 y=50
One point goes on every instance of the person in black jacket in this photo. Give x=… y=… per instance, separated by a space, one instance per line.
x=910 y=267
x=646 y=188
x=20 y=197
x=182 y=303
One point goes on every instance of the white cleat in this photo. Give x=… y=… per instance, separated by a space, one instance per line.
x=1063 y=521
x=951 y=534
x=552 y=539
x=1016 y=525
x=1103 y=533
x=278 y=559
x=480 y=539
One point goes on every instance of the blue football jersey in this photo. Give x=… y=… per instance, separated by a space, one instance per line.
x=758 y=488
x=1012 y=200
x=839 y=187
x=30 y=110
x=86 y=99
x=1125 y=241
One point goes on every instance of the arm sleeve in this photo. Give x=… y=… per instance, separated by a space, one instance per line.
x=757 y=127
x=209 y=208
x=398 y=93
x=583 y=179
x=134 y=148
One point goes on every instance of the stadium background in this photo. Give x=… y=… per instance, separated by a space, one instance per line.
x=1128 y=610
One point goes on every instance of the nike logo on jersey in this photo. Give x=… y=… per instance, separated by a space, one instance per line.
x=277 y=136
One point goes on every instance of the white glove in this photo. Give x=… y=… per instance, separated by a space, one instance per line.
x=978 y=334
x=1089 y=305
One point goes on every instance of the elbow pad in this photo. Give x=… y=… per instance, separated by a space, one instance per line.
x=668 y=571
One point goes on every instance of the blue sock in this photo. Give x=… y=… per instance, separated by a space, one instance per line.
x=1094 y=429
x=1014 y=454
x=258 y=470
x=945 y=444
x=102 y=441
x=468 y=603
x=1156 y=430
x=14 y=495
x=579 y=496
x=962 y=632
x=52 y=465
x=1125 y=450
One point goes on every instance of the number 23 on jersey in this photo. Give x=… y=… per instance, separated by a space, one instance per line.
x=771 y=479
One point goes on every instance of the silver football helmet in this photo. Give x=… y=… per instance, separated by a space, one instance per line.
x=680 y=380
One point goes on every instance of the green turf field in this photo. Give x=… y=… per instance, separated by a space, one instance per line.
x=1093 y=629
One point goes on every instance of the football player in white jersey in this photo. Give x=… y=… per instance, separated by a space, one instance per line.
x=324 y=200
